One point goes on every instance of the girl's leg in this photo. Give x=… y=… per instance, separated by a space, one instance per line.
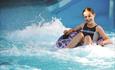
x=75 y=40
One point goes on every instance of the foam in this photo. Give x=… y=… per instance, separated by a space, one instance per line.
x=39 y=40
x=17 y=67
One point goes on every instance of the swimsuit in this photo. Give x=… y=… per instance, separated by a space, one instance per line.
x=89 y=31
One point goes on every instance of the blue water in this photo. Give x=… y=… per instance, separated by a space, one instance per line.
x=33 y=48
x=28 y=33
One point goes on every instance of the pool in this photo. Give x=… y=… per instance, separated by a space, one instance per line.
x=33 y=48
x=28 y=34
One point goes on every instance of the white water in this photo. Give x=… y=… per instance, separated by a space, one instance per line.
x=39 y=40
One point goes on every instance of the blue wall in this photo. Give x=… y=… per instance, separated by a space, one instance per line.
x=17 y=14
x=71 y=14
x=114 y=14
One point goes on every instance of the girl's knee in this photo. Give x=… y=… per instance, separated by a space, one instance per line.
x=81 y=34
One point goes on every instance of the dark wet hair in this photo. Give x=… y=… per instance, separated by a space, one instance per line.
x=89 y=9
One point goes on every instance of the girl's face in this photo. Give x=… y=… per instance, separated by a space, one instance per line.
x=88 y=16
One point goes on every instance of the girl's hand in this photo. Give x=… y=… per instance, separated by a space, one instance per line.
x=101 y=42
x=65 y=32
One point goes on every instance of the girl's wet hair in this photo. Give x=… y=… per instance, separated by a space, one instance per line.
x=88 y=9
